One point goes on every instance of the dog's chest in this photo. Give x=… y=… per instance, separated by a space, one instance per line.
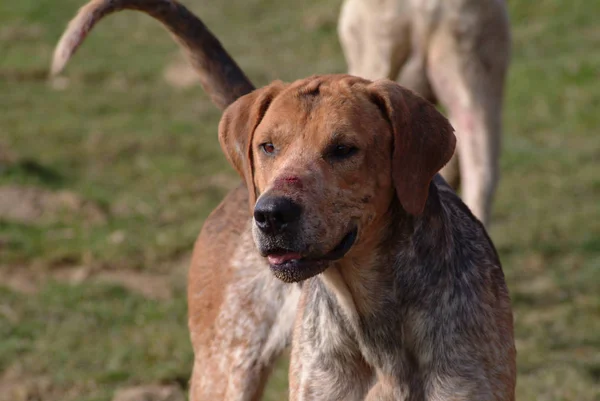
x=325 y=323
x=331 y=332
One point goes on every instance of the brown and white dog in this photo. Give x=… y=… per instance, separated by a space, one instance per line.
x=392 y=287
x=455 y=52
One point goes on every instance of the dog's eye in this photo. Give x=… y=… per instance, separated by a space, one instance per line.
x=342 y=151
x=268 y=148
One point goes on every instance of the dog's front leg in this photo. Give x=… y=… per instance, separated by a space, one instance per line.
x=240 y=316
x=234 y=357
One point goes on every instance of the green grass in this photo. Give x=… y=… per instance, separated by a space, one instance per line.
x=93 y=337
x=146 y=156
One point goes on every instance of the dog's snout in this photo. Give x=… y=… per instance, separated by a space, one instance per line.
x=274 y=214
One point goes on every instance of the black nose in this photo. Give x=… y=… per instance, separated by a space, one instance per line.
x=275 y=214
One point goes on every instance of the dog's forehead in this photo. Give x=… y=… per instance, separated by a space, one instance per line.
x=321 y=107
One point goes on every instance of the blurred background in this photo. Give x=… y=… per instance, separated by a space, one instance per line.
x=107 y=173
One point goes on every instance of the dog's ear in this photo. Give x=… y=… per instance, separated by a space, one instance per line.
x=236 y=131
x=423 y=141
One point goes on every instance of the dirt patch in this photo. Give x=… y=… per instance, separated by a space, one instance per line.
x=17 y=385
x=180 y=74
x=19 y=281
x=33 y=205
x=150 y=393
x=152 y=286
x=159 y=286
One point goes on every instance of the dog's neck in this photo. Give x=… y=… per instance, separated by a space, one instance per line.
x=364 y=280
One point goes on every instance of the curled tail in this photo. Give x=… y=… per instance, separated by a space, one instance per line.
x=220 y=76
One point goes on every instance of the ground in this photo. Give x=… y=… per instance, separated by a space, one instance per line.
x=107 y=174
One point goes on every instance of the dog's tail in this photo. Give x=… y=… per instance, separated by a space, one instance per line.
x=220 y=76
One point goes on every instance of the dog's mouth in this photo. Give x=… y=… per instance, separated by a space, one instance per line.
x=291 y=267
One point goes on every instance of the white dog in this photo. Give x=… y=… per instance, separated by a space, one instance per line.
x=452 y=52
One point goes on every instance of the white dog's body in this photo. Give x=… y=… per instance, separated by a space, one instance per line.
x=455 y=52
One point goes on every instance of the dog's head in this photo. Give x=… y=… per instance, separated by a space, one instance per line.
x=323 y=159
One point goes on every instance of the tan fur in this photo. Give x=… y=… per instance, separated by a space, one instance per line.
x=456 y=52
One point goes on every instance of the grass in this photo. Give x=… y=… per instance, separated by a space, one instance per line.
x=144 y=156
x=91 y=337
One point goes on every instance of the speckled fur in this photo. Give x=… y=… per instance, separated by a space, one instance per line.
x=418 y=309
x=443 y=326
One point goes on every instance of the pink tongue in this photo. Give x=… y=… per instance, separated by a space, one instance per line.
x=279 y=259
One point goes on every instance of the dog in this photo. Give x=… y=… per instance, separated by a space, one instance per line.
x=454 y=52
x=342 y=233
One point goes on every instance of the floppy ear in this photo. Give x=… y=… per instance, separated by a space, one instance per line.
x=236 y=130
x=423 y=141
